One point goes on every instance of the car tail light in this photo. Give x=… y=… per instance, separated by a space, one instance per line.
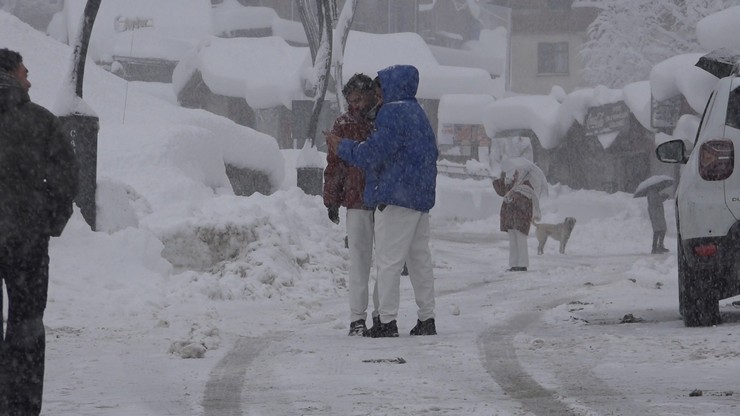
x=706 y=250
x=716 y=160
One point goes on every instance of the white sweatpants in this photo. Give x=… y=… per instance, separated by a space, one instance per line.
x=402 y=234
x=518 y=252
x=360 y=235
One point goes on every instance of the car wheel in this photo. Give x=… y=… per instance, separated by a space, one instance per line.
x=698 y=298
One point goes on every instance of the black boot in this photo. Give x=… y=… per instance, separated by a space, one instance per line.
x=375 y=327
x=389 y=330
x=424 y=327
x=357 y=328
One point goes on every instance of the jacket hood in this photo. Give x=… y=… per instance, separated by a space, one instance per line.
x=12 y=94
x=398 y=82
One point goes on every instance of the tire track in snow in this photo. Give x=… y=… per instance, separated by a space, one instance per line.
x=588 y=393
x=501 y=362
x=223 y=393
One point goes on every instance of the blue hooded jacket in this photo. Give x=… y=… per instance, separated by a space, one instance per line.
x=400 y=157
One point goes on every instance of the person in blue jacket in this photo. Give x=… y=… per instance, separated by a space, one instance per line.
x=400 y=163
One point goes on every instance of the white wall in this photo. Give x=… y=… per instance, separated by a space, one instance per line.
x=524 y=77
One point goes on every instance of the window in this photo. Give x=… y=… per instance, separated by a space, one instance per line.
x=733 y=109
x=552 y=58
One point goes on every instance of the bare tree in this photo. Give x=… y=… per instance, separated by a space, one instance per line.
x=318 y=28
x=343 y=25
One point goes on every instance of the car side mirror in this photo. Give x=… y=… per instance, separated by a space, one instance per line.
x=673 y=151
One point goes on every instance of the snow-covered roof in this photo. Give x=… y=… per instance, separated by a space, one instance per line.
x=162 y=150
x=601 y=4
x=436 y=81
x=550 y=116
x=150 y=43
x=637 y=98
x=575 y=105
x=675 y=76
x=680 y=75
x=720 y=30
x=290 y=31
x=167 y=29
x=368 y=53
x=487 y=52
x=185 y=22
x=449 y=56
x=268 y=72
x=264 y=71
x=463 y=108
x=231 y=15
x=533 y=112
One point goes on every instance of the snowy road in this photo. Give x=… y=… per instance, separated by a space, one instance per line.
x=546 y=342
x=524 y=344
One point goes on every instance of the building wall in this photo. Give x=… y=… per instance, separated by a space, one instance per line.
x=524 y=64
x=530 y=27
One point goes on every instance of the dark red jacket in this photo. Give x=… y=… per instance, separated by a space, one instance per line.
x=344 y=184
x=516 y=214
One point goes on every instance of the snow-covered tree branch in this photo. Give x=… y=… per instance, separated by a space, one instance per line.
x=318 y=28
x=344 y=24
x=630 y=36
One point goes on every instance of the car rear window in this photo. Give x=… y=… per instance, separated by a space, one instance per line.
x=733 y=109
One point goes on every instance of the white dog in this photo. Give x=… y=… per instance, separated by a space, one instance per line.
x=560 y=232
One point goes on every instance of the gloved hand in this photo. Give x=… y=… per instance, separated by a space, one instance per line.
x=334 y=214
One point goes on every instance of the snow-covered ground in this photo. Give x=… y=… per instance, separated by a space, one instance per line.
x=193 y=301
x=593 y=332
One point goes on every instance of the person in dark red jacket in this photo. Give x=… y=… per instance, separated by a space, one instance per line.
x=344 y=186
x=519 y=207
x=400 y=164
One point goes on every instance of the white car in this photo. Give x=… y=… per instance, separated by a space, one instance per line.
x=708 y=207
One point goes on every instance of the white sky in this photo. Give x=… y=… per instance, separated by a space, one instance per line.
x=183 y=266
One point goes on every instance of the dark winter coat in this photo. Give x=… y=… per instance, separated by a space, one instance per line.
x=655 y=210
x=400 y=157
x=344 y=184
x=516 y=210
x=38 y=167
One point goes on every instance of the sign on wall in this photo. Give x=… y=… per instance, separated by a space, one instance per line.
x=463 y=135
x=608 y=118
x=665 y=114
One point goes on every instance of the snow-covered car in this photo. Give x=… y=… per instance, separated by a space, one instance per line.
x=708 y=207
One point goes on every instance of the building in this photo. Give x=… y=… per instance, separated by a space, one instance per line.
x=446 y=26
x=262 y=87
x=544 y=41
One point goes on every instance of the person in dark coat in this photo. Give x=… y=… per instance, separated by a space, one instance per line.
x=400 y=164
x=343 y=186
x=657 y=219
x=38 y=181
x=519 y=207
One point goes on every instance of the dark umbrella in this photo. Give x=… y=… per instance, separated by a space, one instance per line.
x=657 y=182
x=720 y=62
